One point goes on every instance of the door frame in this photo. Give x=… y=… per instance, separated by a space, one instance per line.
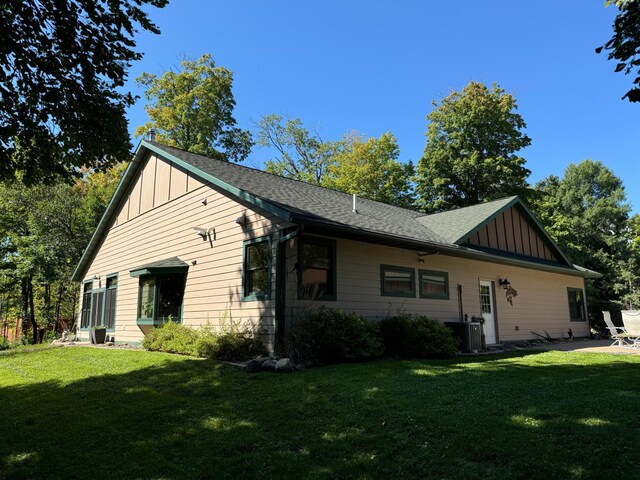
x=494 y=304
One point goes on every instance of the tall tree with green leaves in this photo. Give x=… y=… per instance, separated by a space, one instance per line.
x=299 y=154
x=369 y=167
x=587 y=213
x=624 y=45
x=471 y=155
x=62 y=67
x=192 y=109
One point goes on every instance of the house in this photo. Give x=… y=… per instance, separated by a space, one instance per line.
x=203 y=241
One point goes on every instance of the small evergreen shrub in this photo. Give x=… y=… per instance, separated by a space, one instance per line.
x=409 y=336
x=332 y=336
x=173 y=338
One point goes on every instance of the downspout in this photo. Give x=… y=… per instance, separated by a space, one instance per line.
x=281 y=281
x=460 y=309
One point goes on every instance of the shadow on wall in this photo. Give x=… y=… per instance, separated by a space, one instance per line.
x=187 y=418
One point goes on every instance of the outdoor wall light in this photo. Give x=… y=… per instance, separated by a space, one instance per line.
x=201 y=231
x=504 y=283
x=242 y=220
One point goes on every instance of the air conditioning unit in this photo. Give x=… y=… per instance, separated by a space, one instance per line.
x=469 y=335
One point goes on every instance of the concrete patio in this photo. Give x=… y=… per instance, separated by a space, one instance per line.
x=589 y=346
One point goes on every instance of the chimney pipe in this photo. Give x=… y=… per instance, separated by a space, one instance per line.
x=151 y=135
x=354 y=204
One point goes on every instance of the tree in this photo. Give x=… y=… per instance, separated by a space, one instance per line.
x=192 y=109
x=624 y=45
x=62 y=66
x=299 y=154
x=586 y=212
x=470 y=157
x=370 y=169
x=44 y=230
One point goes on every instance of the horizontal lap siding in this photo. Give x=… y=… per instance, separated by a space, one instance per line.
x=541 y=303
x=213 y=288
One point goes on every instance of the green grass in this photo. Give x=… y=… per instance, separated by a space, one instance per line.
x=102 y=413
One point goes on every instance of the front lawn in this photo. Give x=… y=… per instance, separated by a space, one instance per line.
x=102 y=413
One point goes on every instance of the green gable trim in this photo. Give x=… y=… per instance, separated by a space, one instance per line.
x=530 y=216
x=140 y=156
x=241 y=194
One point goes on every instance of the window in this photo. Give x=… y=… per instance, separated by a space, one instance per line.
x=434 y=284
x=160 y=298
x=397 y=281
x=85 y=317
x=110 y=302
x=317 y=269
x=576 y=305
x=257 y=270
x=99 y=304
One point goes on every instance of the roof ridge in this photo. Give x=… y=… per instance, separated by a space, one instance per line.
x=475 y=205
x=308 y=184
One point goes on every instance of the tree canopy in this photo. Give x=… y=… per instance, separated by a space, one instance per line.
x=587 y=213
x=62 y=66
x=300 y=154
x=369 y=167
x=624 y=45
x=192 y=109
x=473 y=138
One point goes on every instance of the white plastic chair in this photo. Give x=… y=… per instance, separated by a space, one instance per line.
x=631 y=320
x=618 y=334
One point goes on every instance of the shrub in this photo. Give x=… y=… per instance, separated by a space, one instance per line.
x=332 y=336
x=407 y=336
x=228 y=345
x=173 y=338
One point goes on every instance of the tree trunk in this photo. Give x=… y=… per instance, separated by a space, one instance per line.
x=25 y=308
x=32 y=313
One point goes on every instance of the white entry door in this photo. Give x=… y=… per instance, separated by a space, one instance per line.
x=488 y=311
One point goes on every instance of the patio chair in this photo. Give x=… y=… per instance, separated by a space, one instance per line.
x=631 y=321
x=618 y=334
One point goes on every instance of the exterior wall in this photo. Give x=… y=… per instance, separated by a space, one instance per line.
x=511 y=232
x=161 y=225
x=541 y=302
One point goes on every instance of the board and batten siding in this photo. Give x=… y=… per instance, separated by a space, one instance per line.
x=511 y=232
x=541 y=302
x=156 y=221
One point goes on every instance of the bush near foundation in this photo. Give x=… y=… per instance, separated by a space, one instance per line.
x=334 y=336
x=172 y=337
x=416 y=336
x=233 y=344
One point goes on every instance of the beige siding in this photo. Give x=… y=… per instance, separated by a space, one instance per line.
x=511 y=232
x=214 y=280
x=541 y=302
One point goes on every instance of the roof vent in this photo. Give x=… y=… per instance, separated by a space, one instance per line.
x=354 y=204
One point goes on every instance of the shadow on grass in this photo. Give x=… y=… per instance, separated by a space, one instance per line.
x=526 y=416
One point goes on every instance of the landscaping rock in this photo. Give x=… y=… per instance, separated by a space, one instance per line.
x=269 y=364
x=284 y=365
x=253 y=366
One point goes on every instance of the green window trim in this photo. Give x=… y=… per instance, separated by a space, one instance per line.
x=331 y=268
x=155 y=284
x=576 y=295
x=434 y=273
x=385 y=270
x=111 y=286
x=247 y=270
x=85 y=313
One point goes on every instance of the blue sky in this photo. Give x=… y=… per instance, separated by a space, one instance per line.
x=375 y=66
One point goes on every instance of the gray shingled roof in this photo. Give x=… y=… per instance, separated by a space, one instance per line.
x=450 y=226
x=172 y=262
x=300 y=202
x=313 y=202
